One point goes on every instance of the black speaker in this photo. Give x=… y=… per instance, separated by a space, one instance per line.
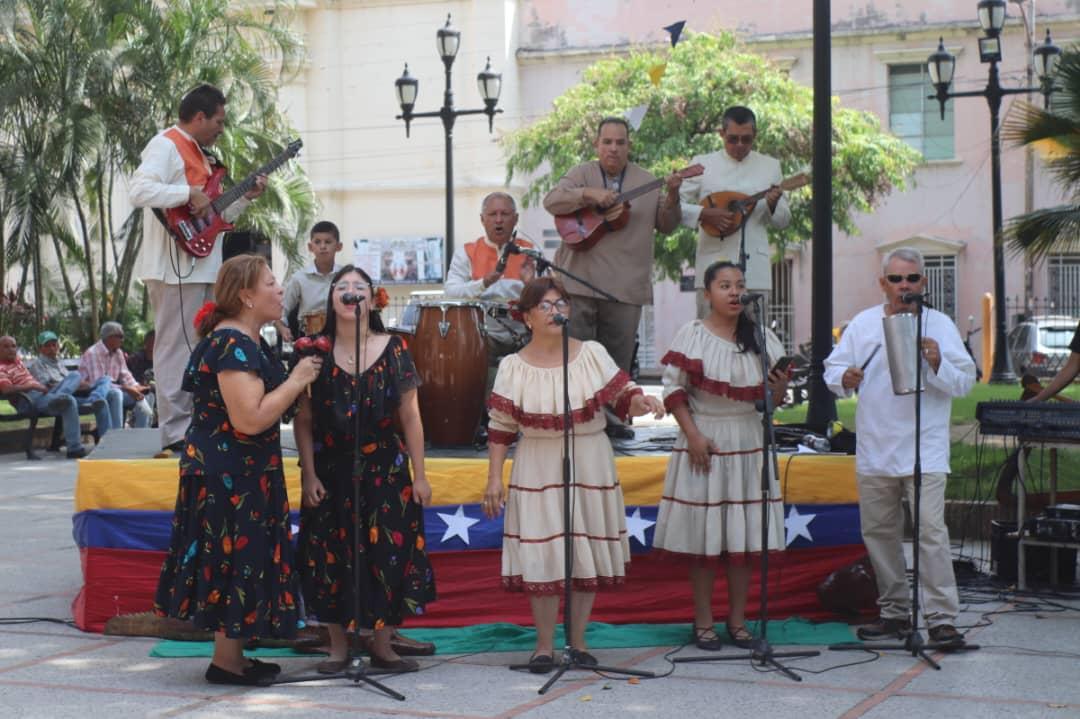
x=245 y=242
x=1003 y=558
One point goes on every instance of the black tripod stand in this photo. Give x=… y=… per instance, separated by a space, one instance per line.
x=571 y=658
x=355 y=671
x=913 y=643
x=760 y=649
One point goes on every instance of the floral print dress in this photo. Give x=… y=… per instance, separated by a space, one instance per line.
x=395 y=577
x=229 y=563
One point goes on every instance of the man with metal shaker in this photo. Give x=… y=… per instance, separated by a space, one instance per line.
x=869 y=359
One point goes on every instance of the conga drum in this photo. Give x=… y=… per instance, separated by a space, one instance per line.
x=314 y=322
x=450 y=353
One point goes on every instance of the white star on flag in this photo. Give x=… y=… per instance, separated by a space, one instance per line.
x=797 y=525
x=457 y=524
x=636 y=526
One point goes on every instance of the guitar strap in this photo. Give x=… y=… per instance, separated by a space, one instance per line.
x=616 y=185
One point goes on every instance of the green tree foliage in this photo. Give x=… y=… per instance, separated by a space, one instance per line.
x=84 y=84
x=706 y=74
x=1056 y=134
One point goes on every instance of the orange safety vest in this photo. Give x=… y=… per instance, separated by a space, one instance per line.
x=196 y=165
x=483 y=256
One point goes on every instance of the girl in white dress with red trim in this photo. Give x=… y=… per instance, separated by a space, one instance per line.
x=526 y=405
x=710 y=512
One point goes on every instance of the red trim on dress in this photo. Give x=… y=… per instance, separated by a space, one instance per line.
x=622 y=406
x=547 y=487
x=717 y=453
x=678 y=398
x=695 y=370
x=739 y=502
x=552 y=421
x=575 y=535
x=739 y=559
x=517 y=583
x=498 y=436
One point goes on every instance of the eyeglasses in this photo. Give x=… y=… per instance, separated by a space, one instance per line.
x=560 y=304
x=897 y=279
x=350 y=286
x=739 y=139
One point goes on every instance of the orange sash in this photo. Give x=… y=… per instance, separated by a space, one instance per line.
x=483 y=257
x=196 y=166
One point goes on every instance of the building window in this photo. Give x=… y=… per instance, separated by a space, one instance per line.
x=1063 y=279
x=941 y=282
x=915 y=118
x=781 y=304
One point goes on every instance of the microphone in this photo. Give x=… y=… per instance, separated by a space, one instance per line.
x=351 y=298
x=560 y=319
x=749 y=297
x=908 y=297
x=504 y=256
x=515 y=249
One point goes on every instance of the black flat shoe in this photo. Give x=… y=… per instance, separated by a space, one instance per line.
x=250 y=678
x=541 y=663
x=265 y=668
x=582 y=658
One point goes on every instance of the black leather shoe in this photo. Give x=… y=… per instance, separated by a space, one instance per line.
x=265 y=668
x=77 y=453
x=885 y=629
x=583 y=659
x=946 y=635
x=740 y=636
x=707 y=640
x=251 y=677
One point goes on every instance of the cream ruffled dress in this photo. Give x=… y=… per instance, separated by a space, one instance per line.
x=717 y=517
x=529 y=400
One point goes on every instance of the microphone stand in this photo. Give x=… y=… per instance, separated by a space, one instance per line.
x=760 y=649
x=914 y=642
x=570 y=656
x=356 y=671
x=543 y=265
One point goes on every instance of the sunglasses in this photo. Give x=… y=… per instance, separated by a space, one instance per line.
x=739 y=139
x=897 y=279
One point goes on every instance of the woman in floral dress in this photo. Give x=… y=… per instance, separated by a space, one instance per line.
x=394 y=575
x=229 y=564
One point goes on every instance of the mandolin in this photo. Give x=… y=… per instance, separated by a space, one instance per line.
x=196 y=235
x=741 y=204
x=582 y=229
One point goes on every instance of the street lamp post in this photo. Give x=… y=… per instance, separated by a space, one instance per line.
x=941 y=65
x=407 y=87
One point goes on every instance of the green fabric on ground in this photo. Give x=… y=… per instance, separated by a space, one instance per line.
x=503 y=637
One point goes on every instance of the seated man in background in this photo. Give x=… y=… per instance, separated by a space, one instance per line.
x=57 y=401
x=103 y=398
x=142 y=361
x=105 y=358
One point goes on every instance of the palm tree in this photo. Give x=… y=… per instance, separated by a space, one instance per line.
x=1055 y=133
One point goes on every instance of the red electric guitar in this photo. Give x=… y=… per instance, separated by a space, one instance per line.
x=196 y=235
x=582 y=229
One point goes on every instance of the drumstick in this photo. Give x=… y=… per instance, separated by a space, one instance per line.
x=872 y=353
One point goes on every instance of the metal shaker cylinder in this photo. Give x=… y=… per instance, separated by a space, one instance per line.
x=900 y=347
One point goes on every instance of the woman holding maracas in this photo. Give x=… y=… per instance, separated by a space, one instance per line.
x=392 y=572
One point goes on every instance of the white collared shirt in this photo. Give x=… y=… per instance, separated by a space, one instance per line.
x=885 y=422
x=723 y=173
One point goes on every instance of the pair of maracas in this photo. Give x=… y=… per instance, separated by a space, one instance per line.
x=305 y=346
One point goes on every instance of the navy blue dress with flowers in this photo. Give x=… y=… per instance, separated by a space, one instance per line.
x=395 y=577
x=229 y=564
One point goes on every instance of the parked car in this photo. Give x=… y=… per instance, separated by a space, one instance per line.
x=1040 y=345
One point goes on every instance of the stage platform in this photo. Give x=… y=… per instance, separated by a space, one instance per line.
x=124 y=503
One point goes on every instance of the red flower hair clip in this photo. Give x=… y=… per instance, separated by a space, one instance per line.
x=381 y=299
x=207 y=309
x=515 y=312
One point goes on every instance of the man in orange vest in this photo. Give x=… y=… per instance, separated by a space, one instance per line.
x=173 y=172
x=476 y=273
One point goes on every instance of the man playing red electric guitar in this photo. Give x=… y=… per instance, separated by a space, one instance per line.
x=173 y=172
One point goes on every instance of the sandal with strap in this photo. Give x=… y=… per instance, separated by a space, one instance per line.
x=740 y=636
x=706 y=639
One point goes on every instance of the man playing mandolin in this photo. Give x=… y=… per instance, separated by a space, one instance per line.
x=737 y=169
x=173 y=173
x=621 y=263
